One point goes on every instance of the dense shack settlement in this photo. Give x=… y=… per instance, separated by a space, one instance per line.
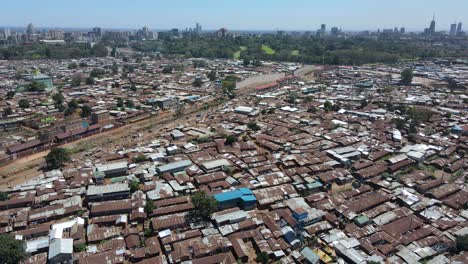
x=216 y=161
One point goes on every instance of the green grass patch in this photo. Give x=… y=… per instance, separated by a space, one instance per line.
x=295 y=53
x=238 y=53
x=49 y=119
x=267 y=49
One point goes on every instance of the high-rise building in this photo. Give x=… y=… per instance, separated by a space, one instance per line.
x=198 y=28
x=459 y=28
x=97 y=31
x=6 y=33
x=30 y=29
x=453 y=29
x=323 y=28
x=334 y=31
x=56 y=34
x=432 y=26
x=402 y=30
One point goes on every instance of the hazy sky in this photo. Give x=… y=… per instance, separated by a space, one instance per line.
x=234 y=14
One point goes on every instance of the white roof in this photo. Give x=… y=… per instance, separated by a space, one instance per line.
x=60 y=246
x=110 y=188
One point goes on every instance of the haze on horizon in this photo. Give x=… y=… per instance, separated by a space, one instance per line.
x=415 y=15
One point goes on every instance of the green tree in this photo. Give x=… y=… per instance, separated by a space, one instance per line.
x=212 y=75
x=291 y=97
x=120 y=102
x=36 y=87
x=254 y=126
x=3 y=196
x=23 y=103
x=364 y=103
x=149 y=206
x=400 y=123
x=204 y=206
x=76 y=80
x=56 y=158
x=230 y=139
x=7 y=111
x=140 y=158
x=58 y=98
x=90 y=81
x=199 y=63
x=167 y=70
x=72 y=66
x=407 y=76
x=312 y=109
x=327 y=106
x=228 y=87
x=336 y=107
x=12 y=251
x=86 y=111
x=69 y=111
x=246 y=62
x=115 y=68
x=97 y=73
x=462 y=243
x=10 y=94
x=134 y=186
x=73 y=104
x=79 y=248
x=129 y=103
x=257 y=63
x=262 y=257
x=197 y=83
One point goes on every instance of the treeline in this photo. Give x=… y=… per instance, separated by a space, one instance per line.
x=46 y=51
x=348 y=51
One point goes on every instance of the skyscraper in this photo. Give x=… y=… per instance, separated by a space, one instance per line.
x=323 y=28
x=5 y=33
x=432 y=26
x=198 y=28
x=334 y=31
x=459 y=28
x=30 y=29
x=453 y=29
x=97 y=31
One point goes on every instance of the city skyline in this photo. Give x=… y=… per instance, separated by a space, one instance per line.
x=260 y=15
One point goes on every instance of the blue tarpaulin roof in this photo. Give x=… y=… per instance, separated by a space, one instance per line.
x=236 y=194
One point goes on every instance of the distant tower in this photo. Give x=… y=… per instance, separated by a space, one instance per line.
x=30 y=29
x=323 y=28
x=433 y=25
x=97 y=31
x=334 y=31
x=453 y=29
x=198 y=28
x=459 y=28
x=402 y=30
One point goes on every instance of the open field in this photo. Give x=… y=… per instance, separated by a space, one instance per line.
x=268 y=50
x=238 y=53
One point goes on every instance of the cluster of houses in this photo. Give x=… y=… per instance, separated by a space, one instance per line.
x=294 y=180
x=119 y=91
